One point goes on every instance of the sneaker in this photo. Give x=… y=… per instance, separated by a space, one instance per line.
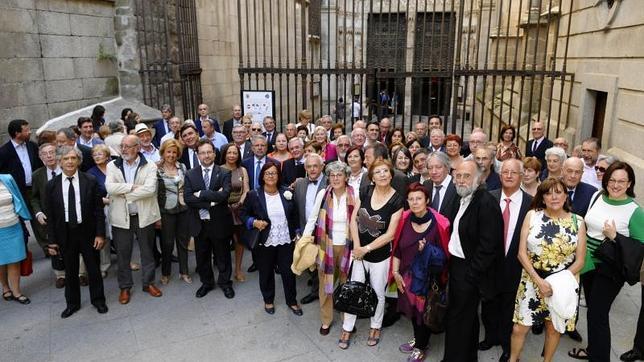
x=407 y=347
x=416 y=355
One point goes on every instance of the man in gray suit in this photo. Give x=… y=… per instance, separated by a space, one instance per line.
x=305 y=191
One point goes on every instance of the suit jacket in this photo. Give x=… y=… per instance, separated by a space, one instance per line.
x=450 y=203
x=480 y=230
x=581 y=198
x=92 y=214
x=218 y=193
x=300 y=188
x=248 y=150
x=159 y=132
x=291 y=171
x=10 y=163
x=511 y=275
x=39 y=190
x=441 y=149
x=540 y=152
x=249 y=165
x=88 y=160
x=271 y=141
x=399 y=182
x=228 y=129
x=254 y=208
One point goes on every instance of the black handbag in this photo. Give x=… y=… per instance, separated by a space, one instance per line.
x=250 y=237
x=435 y=308
x=355 y=297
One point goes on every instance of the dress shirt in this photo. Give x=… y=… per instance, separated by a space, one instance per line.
x=241 y=149
x=442 y=191
x=129 y=171
x=340 y=218
x=152 y=154
x=311 y=191
x=455 y=248
x=355 y=181
x=515 y=207
x=168 y=136
x=191 y=158
x=590 y=176
x=536 y=143
x=57 y=171
x=167 y=127
x=218 y=140
x=23 y=155
x=77 y=196
x=89 y=143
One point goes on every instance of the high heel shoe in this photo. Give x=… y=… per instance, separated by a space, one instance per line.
x=186 y=278
x=240 y=277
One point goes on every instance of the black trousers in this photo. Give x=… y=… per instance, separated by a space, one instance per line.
x=638 y=342
x=604 y=292
x=462 y=331
x=213 y=244
x=421 y=335
x=267 y=257
x=75 y=244
x=174 y=230
x=490 y=316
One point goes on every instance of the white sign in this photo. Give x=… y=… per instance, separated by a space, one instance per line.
x=258 y=104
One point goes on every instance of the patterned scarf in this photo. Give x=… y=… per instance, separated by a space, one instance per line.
x=323 y=229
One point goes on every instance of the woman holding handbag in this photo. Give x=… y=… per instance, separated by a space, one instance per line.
x=415 y=266
x=12 y=242
x=330 y=227
x=373 y=225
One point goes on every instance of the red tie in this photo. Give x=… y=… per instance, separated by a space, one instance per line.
x=506 y=223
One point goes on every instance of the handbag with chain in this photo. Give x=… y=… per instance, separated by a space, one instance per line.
x=435 y=307
x=355 y=297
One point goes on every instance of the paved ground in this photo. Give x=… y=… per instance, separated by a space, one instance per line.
x=178 y=326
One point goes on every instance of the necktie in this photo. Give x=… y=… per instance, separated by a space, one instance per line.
x=571 y=194
x=53 y=174
x=436 y=200
x=506 y=223
x=203 y=213
x=258 y=168
x=71 y=203
x=534 y=146
x=195 y=159
x=314 y=182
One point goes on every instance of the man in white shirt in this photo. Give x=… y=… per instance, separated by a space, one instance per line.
x=240 y=138
x=210 y=133
x=87 y=136
x=445 y=200
x=590 y=149
x=174 y=126
x=358 y=137
x=149 y=151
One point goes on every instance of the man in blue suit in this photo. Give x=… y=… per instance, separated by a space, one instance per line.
x=162 y=125
x=19 y=156
x=579 y=192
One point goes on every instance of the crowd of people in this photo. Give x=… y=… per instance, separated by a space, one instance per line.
x=516 y=233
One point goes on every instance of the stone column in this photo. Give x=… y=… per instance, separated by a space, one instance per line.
x=127 y=53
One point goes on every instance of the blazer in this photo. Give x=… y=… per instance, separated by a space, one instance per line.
x=270 y=141
x=480 y=230
x=228 y=129
x=291 y=171
x=399 y=182
x=248 y=150
x=540 y=152
x=511 y=275
x=249 y=165
x=300 y=188
x=185 y=157
x=581 y=198
x=39 y=190
x=450 y=203
x=254 y=208
x=10 y=163
x=88 y=160
x=92 y=212
x=218 y=193
x=159 y=132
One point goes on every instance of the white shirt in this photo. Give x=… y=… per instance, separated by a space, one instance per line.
x=278 y=233
x=455 y=248
x=355 y=109
x=339 y=232
x=77 y=197
x=152 y=155
x=191 y=158
x=515 y=207
x=90 y=143
x=536 y=143
x=168 y=136
x=57 y=171
x=130 y=174
x=442 y=191
x=355 y=181
x=311 y=192
x=310 y=127
x=23 y=155
x=241 y=149
x=590 y=176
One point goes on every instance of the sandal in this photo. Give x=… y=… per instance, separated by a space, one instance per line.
x=22 y=299
x=578 y=353
x=345 y=340
x=8 y=295
x=374 y=337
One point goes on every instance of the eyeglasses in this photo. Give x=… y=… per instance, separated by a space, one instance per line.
x=125 y=147
x=336 y=175
x=600 y=169
x=255 y=129
x=509 y=173
x=618 y=182
x=537 y=129
x=272 y=173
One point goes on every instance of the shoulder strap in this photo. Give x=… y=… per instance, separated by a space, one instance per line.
x=592 y=202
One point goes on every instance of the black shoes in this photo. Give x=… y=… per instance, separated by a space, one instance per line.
x=537 y=328
x=69 y=311
x=251 y=268
x=631 y=356
x=310 y=298
x=484 y=345
x=574 y=335
x=390 y=319
x=505 y=357
x=269 y=310
x=296 y=310
x=101 y=308
x=203 y=290
x=229 y=292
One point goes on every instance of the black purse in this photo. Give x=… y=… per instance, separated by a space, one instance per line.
x=435 y=311
x=355 y=297
x=250 y=238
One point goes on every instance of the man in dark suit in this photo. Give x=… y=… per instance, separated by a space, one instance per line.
x=579 y=193
x=475 y=263
x=203 y=111
x=76 y=225
x=190 y=137
x=538 y=145
x=240 y=138
x=497 y=313
x=445 y=200
x=162 y=125
x=19 y=156
x=67 y=137
x=207 y=187
x=293 y=168
x=485 y=157
x=378 y=151
x=231 y=123
x=270 y=132
x=306 y=189
x=436 y=140
x=254 y=164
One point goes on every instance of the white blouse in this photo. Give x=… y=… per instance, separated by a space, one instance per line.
x=340 y=218
x=8 y=216
x=355 y=181
x=278 y=234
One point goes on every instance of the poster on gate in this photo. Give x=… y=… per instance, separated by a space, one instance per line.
x=258 y=103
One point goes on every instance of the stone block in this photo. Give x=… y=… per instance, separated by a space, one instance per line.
x=105 y=68
x=59 y=5
x=20 y=70
x=84 y=67
x=97 y=87
x=19 y=45
x=60 y=108
x=36 y=114
x=58 y=46
x=17 y=21
x=91 y=25
x=64 y=90
x=50 y=22
x=21 y=94
x=20 y=4
x=95 y=8
x=89 y=46
x=58 y=68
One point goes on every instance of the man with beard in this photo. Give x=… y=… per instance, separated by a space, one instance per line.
x=476 y=254
x=590 y=149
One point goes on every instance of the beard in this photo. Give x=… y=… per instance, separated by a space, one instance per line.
x=464 y=191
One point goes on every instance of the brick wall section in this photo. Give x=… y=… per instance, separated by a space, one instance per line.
x=49 y=64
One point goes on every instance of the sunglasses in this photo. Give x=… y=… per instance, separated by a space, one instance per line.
x=600 y=169
x=255 y=129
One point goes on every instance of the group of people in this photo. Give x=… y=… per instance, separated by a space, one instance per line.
x=510 y=230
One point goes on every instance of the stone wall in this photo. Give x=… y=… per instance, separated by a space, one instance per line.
x=57 y=56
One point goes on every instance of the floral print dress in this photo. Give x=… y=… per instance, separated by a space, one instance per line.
x=551 y=248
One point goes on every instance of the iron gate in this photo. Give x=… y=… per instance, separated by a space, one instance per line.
x=476 y=63
x=169 y=54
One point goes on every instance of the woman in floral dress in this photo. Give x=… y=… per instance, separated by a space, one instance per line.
x=552 y=239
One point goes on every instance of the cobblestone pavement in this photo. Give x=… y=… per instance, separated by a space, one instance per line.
x=178 y=326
